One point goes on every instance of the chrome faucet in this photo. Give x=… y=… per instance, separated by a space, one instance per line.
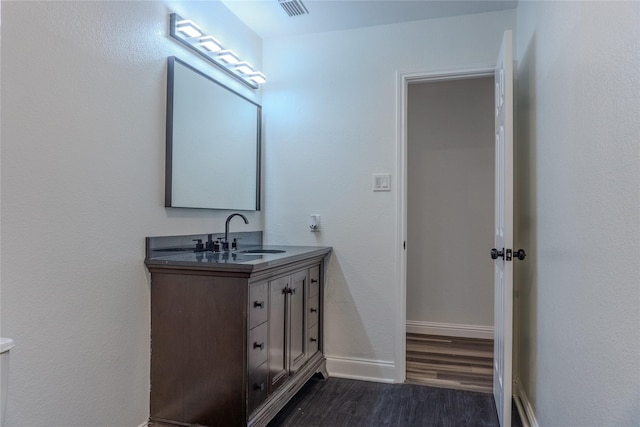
x=226 y=228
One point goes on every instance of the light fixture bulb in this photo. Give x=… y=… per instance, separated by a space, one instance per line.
x=228 y=56
x=258 y=77
x=210 y=44
x=244 y=68
x=188 y=28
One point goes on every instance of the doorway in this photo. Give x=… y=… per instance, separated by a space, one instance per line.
x=450 y=206
x=446 y=156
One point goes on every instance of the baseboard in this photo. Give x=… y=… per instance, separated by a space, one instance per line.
x=361 y=369
x=449 y=329
x=523 y=404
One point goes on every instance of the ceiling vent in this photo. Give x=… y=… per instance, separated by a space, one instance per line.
x=294 y=7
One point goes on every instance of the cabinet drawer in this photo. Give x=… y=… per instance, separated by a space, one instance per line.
x=314 y=280
x=258 y=386
x=258 y=346
x=313 y=310
x=258 y=304
x=312 y=340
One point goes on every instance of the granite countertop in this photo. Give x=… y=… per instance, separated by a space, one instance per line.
x=187 y=258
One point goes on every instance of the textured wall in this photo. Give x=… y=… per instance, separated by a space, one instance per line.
x=331 y=124
x=578 y=81
x=83 y=122
x=450 y=201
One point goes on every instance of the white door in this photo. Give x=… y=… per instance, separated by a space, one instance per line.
x=502 y=252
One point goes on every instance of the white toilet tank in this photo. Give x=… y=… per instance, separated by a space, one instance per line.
x=5 y=345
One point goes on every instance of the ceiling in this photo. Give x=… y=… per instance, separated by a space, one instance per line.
x=268 y=19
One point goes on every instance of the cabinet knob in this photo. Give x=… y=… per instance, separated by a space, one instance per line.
x=260 y=346
x=314 y=280
x=257 y=304
x=313 y=339
x=314 y=310
x=259 y=386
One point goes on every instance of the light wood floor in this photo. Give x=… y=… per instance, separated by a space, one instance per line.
x=450 y=362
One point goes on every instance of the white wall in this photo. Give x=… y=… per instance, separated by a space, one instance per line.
x=450 y=202
x=83 y=134
x=578 y=81
x=330 y=124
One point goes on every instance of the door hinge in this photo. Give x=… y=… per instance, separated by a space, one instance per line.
x=404 y=245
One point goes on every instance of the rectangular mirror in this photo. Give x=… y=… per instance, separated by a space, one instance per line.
x=213 y=143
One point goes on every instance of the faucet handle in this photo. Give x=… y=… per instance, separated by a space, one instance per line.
x=209 y=245
x=223 y=243
x=199 y=245
x=217 y=244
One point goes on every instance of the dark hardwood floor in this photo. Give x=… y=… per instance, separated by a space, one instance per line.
x=449 y=384
x=342 y=402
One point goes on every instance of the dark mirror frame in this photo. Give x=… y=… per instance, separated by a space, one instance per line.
x=208 y=176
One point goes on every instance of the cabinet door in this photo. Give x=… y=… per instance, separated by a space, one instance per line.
x=313 y=336
x=278 y=363
x=313 y=312
x=297 y=321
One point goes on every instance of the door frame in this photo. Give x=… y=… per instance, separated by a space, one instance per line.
x=403 y=79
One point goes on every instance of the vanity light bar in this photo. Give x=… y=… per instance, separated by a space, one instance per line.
x=191 y=35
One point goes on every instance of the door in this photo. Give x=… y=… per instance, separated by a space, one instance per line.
x=297 y=353
x=287 y=352
x=278 y=363
x=502 y=252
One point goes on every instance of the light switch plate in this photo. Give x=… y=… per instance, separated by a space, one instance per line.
x=381 y=182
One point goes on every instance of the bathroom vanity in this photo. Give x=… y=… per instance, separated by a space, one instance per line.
x=234 y=335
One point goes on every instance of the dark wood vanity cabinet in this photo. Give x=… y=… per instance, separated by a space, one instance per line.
x=230 y=348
